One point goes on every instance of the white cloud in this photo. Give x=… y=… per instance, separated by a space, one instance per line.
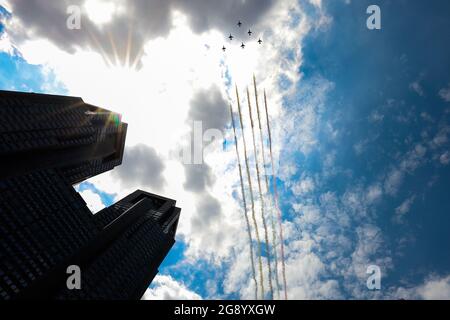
x=376 y=116
x=101 y=12
x=317 y=3
x=93 y=200
x=369 y=250
x=445 y=158
x=4 y=4
x=330 y=223
x=300 y=125
x=166 y=288
x=310 y=214
x=409 y=162
x=5 y=41
x=393 y=181
x=433 y=288
x=414 y=158
x=360 y=146
x=304 y=270
x=6 y=45
x=374 y=192
x=441 y=138
x=403 y=209
x=120 y=29
x=427 y=117
x=239 y=275
x=405 y=206
x=303 y=186
x=444 y=93
x=417 y=88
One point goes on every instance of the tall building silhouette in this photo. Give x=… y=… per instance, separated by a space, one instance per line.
x=47 y=145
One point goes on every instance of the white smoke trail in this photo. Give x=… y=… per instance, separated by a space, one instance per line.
x=266 y=235
x=274 y=183
x=272 y=219
x=258 y=240
x=250 y=238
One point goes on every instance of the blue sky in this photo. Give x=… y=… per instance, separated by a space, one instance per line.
x=374 y=106
x=364 y=156
x=369 y=68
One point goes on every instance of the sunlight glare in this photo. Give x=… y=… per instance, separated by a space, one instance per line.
x=100 y=11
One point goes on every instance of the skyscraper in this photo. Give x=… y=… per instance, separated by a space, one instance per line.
x=47 y=145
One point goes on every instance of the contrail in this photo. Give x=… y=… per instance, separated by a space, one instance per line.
x=274 y=182
x=274 y=237
x=261 y=275
x=260 y=195
x=250 y=238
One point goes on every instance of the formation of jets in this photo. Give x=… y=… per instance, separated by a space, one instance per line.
x=231 y=37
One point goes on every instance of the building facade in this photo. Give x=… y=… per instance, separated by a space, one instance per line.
x=47 y=145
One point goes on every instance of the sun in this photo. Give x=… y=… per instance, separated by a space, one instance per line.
x=101 y=12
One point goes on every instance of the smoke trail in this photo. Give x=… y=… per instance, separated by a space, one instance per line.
x=272 y=219
x=261 y=275
x=283 y=264
x=250 y=239
x=260 y=195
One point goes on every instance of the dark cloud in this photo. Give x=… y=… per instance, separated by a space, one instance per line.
x=209 y=211
x=209 y=107
x=223 y=15
x=141 y=167
x=198 y=177
x=141 y=20
x=209 y=225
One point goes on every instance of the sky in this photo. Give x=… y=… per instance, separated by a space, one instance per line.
x=360 y=125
